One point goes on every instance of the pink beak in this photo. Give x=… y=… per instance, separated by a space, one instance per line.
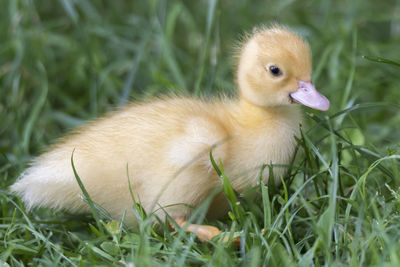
x=307 y=95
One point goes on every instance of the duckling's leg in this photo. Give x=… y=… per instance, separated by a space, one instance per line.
x=204 y=232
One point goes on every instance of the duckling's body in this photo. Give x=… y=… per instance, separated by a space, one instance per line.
x=163 y=146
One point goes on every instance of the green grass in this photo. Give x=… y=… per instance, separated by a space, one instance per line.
x=65 y=62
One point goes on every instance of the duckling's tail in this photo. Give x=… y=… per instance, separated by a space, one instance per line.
x=49 y=184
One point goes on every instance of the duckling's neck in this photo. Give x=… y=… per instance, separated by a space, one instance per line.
x=251 y=115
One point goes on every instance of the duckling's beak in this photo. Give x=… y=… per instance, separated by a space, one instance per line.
x=307 y=95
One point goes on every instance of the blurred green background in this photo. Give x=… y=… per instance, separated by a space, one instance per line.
x=68 y=61
x=63 y=62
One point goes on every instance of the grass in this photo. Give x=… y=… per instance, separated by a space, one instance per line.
x=65 y=62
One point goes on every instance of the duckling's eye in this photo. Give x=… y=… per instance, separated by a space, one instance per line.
x=275 y=71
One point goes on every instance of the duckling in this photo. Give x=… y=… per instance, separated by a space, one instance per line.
x=162 y=146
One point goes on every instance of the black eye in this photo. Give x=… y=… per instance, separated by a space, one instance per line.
x=275 y=71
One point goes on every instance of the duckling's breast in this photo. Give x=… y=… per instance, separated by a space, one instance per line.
x=271 y=142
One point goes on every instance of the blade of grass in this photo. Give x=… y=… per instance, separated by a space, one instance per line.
x=382 y=60
x=204 y=52
x=86 y=195
x=34 y=115
x=349 y=83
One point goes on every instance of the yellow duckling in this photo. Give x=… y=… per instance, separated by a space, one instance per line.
x=165 y=144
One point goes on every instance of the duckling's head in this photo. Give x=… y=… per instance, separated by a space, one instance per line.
x=275 y=69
